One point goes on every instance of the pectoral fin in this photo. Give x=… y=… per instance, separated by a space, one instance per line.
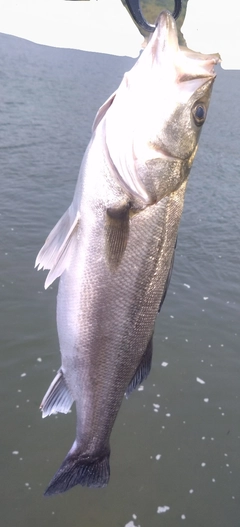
x=117 y=232
x=102 y=111
x=57 y=250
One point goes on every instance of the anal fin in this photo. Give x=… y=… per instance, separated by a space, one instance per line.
x=142 y=370
x=57 y=398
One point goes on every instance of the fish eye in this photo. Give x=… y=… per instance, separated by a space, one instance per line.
x=199 y=114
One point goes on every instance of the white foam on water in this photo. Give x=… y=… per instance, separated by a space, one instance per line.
x=164 y=364
x=164 y=508
x=187 y=285
x=201 y=381
x=158 y=456
x=15 y=452
x=141 y=388
x=23 y=374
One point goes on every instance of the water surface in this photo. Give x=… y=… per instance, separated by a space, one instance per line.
x=176 y=443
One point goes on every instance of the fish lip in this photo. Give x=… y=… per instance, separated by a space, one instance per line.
x=165 y=35
x=166 y=49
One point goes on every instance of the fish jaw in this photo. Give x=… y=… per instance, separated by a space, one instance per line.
x=161 y=88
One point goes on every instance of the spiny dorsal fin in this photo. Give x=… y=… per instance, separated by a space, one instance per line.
x=57 y=250
x=168 y=278
x=142 y=370
x=57 y=398
x=117 y=232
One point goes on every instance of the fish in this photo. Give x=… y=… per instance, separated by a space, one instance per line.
x=113 y=249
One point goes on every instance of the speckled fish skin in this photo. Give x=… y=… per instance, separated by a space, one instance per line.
x=114 y=246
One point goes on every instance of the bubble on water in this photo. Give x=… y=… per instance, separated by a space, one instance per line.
x=187 y=285
x=203 y=464
x=168 y=415
x=158 y=456
x=23 y=374
x=205 y=297
x=164 y=364
x=15 y=452
x=213 y=480
x=39 y=359
x=134 y=516
x=183 y=517
x=141 y=388
x=191 y=491
x=206 y=400
x=156 y=405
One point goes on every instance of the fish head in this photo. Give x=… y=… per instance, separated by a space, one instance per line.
x=159 y=110
x=179 y=88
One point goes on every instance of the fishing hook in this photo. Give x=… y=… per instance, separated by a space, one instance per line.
x=135 y=11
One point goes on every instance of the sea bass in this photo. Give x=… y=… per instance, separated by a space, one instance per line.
x=114 y=246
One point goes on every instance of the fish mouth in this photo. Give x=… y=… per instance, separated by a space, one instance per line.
x=188 y=64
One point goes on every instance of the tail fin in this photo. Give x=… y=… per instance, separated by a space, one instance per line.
x=79 y=470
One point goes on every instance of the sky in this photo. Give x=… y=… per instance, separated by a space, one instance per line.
x=104 y=26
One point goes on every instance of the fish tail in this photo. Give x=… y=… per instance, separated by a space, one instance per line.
x=79 y=470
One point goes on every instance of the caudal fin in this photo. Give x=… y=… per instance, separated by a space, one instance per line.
x=79 y=470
